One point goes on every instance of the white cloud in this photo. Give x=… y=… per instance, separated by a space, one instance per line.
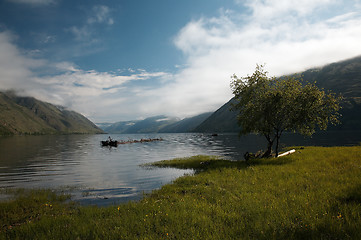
x=14 y=65
x=101 y=14
x=100 y=95
x=80 y=33
x=289 y=36
x=266 y=10
x=284 y=34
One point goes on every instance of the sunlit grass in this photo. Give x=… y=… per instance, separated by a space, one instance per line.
x=198 y=163
x=314 y=193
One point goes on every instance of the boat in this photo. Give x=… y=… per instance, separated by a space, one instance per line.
x=110 y=143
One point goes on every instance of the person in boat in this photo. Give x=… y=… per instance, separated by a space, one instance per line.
x=109 y=139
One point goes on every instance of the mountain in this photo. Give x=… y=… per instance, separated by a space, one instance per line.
x=341 y=78
x=119 y=127
x=148 y=125
x=27 y=115
x=185 y=125
x=151 y=125
x=222 y=120
x=157 y=124
x=103 y=125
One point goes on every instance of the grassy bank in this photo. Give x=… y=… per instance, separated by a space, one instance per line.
x=314 y=193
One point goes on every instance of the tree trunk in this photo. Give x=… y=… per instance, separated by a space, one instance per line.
x=269 y=148
x=277 y=143
x=278 y=136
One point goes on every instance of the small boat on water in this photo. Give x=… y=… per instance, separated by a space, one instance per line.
x=110 y=143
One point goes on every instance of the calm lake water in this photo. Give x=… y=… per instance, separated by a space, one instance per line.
x=103 y=175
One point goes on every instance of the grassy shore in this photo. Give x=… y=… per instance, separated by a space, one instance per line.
x=314 y=193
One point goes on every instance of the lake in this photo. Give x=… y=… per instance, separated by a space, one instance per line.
x=102 y=175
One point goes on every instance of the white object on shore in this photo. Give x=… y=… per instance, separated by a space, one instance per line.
x=287 y=153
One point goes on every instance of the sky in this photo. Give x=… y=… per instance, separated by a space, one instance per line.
x=118 y=60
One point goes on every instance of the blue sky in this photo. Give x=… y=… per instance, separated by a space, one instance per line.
x=130 y=59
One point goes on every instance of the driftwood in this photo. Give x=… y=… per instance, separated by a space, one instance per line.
x=287 y=153
x=115 y=143
x=249 y=156
x=140 y=141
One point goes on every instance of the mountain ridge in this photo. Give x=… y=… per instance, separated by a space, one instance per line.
x=28 y=115
x=156 y=124
x=342 y=77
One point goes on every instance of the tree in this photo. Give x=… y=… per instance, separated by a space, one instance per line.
x=269 y=106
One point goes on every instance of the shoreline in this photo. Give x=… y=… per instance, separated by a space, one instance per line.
x=313 y=193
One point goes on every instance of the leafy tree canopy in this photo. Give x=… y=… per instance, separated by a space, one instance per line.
x=269 y=106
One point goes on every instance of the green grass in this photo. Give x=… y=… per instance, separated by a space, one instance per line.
x=314 y=193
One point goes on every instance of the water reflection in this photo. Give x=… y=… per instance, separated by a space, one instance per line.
x=103 y=175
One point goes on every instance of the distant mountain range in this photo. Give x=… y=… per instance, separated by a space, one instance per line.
x=157 y=124
x=187 y=124
x=341 y=78
x=27 y=115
